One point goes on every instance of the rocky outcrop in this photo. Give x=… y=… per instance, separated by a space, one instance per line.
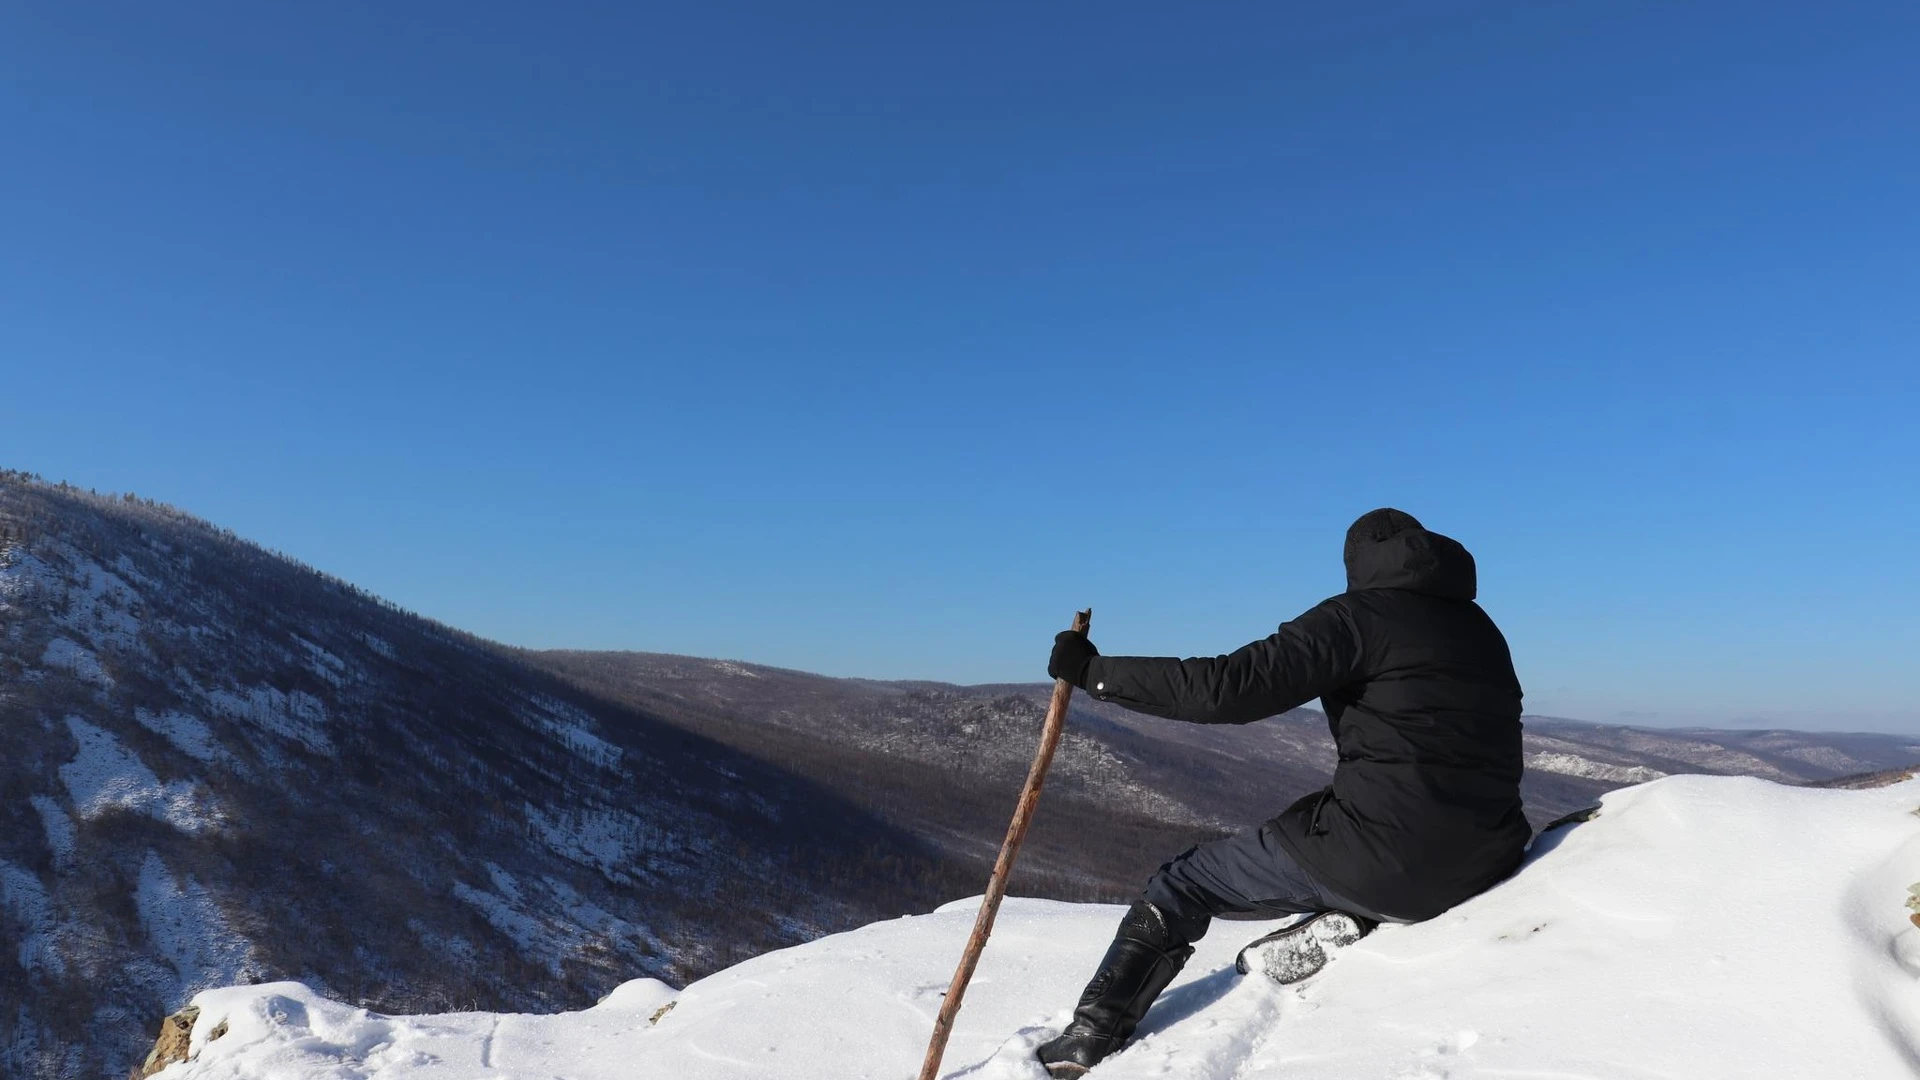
x=175 y=1032
x=175 y=1041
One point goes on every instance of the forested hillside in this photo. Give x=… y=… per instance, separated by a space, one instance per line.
x=220 y=766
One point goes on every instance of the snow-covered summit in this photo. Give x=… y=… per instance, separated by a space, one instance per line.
x=1700 y=927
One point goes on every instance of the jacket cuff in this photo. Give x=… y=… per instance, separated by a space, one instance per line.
x=1094 y=680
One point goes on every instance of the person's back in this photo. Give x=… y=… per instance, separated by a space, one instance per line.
x=1424 y=809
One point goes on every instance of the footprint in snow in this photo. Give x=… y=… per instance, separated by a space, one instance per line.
x=1443 y=1061
x=1013 y=1059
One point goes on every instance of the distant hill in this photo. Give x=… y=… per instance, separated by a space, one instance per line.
x=1126 y=791
x=219 y=766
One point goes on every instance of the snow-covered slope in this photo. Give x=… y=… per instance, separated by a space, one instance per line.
x=1700 y=927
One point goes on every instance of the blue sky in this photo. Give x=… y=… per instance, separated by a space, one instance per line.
x=874 y=339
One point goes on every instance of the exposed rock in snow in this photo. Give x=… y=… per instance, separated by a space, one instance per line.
x=1700 y=927
x=176 y=1036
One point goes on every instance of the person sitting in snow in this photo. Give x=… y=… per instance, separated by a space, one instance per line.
x=1424 y=808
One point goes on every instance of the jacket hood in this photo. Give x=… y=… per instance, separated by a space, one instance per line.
x=1422 y=561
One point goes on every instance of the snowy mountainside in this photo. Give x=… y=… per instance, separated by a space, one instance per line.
x=1700 y=927
x=220 y=766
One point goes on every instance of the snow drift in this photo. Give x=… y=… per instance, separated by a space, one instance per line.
x=1700 y=927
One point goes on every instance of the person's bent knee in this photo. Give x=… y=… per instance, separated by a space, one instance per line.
x=1187 y=918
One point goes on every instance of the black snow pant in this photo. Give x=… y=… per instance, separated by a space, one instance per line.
x=1249 y=874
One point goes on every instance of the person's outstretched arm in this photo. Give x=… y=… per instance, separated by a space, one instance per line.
x=1312 y=655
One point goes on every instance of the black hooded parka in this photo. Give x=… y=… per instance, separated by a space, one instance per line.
x=1421 y=697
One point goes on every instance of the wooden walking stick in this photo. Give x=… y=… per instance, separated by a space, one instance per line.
x=1003 y=866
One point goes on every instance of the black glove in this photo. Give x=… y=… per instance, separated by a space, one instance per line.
x=1072 y=652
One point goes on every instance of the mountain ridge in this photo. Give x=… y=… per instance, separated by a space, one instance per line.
x=1195 y=779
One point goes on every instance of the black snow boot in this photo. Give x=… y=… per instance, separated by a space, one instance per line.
x=1143 y=959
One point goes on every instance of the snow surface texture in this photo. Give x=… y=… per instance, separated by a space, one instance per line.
x=186 y=732
x=1700 y=927
x=77 y=659
x=104 y=775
